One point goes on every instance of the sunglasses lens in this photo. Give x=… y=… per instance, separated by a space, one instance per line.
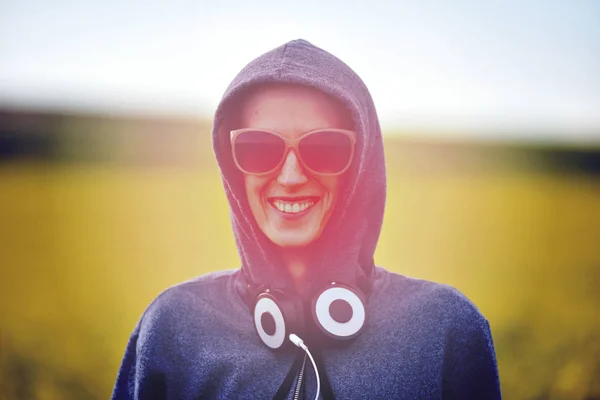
x=257 y=151
x=326 y=152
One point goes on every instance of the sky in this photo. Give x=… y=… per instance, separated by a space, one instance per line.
x=530 y=68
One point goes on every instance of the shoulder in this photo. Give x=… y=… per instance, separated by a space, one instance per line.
x=189 y=307
x=191 y=293
x=436 y=300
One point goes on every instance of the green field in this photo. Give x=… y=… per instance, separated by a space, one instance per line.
x=85 y=247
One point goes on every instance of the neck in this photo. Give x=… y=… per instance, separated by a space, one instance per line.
x=296 y=262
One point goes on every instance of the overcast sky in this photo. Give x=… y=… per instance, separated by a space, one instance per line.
x=530 y=66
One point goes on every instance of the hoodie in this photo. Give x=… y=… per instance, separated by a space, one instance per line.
x=421 y=340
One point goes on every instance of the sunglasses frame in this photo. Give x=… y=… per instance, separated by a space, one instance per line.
x=292 y=144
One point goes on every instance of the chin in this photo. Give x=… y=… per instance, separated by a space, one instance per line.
x=291 y=240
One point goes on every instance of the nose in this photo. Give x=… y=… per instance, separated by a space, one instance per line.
x=291 y=173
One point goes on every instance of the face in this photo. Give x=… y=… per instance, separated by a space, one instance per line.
x=275 y=199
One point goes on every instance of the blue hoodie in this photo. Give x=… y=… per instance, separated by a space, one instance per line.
x=421 y=340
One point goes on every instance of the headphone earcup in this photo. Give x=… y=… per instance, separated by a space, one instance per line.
x=339 y=311
x=275 y=317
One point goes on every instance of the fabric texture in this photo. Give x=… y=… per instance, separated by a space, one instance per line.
x=421 y=340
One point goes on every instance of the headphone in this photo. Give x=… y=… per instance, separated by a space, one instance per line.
x=338 y=310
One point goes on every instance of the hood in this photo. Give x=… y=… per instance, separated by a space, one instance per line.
x=344 y=251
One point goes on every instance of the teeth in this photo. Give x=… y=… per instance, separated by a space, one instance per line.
x=292 y=208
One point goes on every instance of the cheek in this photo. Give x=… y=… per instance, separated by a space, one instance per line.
x=331 y=185
x=254 y=189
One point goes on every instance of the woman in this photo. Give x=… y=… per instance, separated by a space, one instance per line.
x=299 y=146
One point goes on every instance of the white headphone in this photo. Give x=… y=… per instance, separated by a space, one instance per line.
x=338 y=311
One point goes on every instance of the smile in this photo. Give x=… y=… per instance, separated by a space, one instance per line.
x=293 y=206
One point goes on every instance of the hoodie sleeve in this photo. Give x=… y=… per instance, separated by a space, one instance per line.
x=142 y=372
x=125 y=384
x=470 y=367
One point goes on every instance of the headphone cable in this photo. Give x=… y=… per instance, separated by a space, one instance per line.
x=300 y=343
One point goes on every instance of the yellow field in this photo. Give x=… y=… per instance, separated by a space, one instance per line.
x=84 y=249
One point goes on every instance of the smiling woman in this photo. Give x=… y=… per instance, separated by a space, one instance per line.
x=299 y=145
x=290 y=204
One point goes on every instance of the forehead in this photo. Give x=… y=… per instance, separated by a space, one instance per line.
x=292 y=109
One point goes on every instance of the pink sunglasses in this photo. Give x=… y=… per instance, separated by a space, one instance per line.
x=322 y=151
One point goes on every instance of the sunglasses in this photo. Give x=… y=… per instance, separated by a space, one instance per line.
x=321 y=151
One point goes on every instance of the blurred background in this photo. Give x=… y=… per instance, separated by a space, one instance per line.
x=109 y=191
